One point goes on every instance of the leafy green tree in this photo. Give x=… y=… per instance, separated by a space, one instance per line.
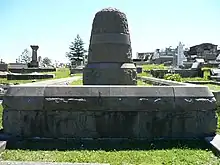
x=77 y=52
x=46 y=61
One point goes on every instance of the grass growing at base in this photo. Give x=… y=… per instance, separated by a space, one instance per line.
x=180 y=156
x=60 y=73
x=80 y=82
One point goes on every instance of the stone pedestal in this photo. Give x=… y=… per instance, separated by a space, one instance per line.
x=34 y=63
x=110 y=74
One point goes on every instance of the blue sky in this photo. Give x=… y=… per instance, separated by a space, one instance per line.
x=53 y=24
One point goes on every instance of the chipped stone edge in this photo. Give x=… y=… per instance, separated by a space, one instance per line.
x=212 y=141
x=2 y=145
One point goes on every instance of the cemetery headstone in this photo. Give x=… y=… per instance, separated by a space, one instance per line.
x=110 y=55
x=180 y=55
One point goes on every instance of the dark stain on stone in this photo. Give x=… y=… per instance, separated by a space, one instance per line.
x=115 y=124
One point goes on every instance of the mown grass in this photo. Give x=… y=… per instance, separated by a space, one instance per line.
x=180 y=156
x=149 y=67
x=77 y=82
x=213 y=87
x=60 y=73
x=156 y=152
x=80 y=82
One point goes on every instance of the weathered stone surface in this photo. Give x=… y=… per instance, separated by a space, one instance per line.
x=3 y=67
x=110 y=55
x=107 y=22
x=112 y=75
x=21 y=98
x=109 y=112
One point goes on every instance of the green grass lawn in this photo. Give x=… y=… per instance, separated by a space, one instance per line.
x=80 y=82
x=153 y=66
x=77 y=82
x=213 y=87
x=155 y=153
x=178 y=156
x=60 y=73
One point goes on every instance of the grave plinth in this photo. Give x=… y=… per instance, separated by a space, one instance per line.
x=110 y=55
x=109 y=111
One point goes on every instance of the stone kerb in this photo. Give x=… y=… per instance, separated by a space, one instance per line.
x=109 y=111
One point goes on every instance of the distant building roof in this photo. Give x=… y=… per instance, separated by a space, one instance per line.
x=203 y=45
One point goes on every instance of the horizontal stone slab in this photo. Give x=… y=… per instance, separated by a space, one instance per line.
x=106 y=97
x=110 y=98
x=108 y=90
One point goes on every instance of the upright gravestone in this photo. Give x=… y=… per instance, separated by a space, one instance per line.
x=180 y=55
x=34 y=62
x=110 y=54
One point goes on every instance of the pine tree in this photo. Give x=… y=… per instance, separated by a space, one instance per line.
x=25 y=57
x=77 y=51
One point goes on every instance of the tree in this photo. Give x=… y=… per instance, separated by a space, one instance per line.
x=25 y=57
x=46 y=61
x=77 y=51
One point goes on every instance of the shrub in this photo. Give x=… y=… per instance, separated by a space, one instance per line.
x=172 y=77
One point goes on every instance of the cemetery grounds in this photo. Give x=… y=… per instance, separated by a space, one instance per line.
x=156 y=152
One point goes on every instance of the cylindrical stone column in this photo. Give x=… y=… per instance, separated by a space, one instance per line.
x=34 y=62
x=110 y=55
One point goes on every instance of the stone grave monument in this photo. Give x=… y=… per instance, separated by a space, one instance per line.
x=180 y=55
x=111 y=105
x=31 y=67
x=110 y=55
x=34 y=62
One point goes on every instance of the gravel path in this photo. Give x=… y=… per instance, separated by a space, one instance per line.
x=62 y=81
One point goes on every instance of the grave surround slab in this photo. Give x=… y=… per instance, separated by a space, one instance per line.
x=109 y=111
